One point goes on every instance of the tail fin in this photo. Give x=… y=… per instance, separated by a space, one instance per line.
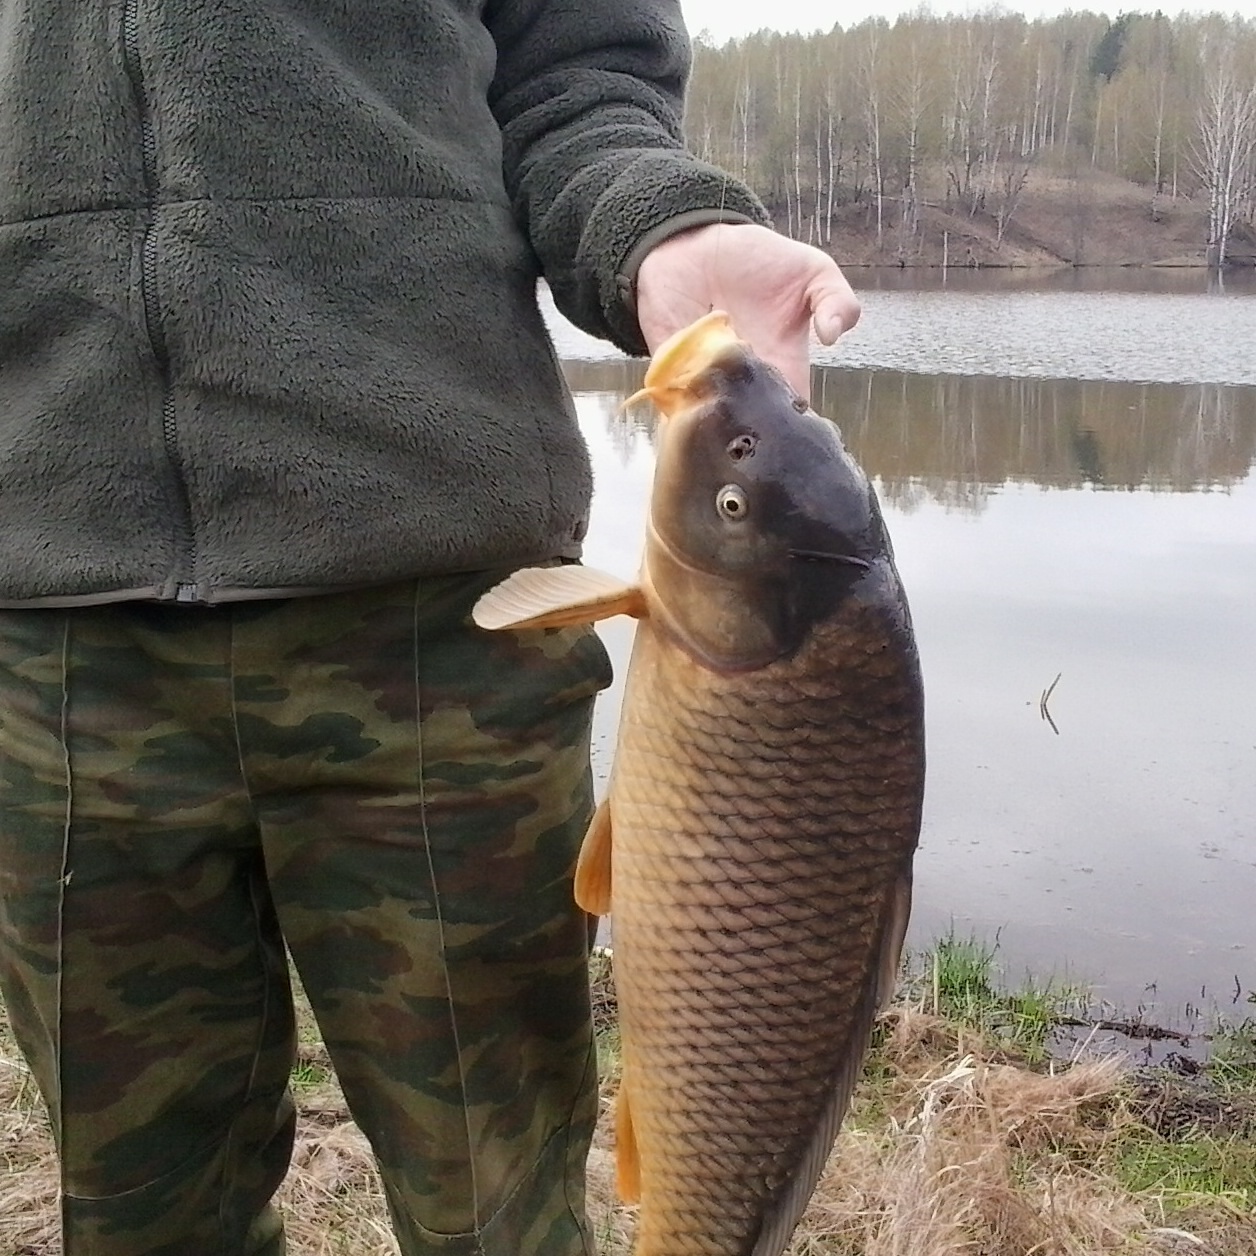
x=682 y=358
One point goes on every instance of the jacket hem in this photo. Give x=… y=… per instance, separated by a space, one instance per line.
x=232 y=593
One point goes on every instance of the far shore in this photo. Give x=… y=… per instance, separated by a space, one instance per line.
x=1095 y=220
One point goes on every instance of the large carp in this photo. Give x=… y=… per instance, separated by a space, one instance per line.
x=756 y=843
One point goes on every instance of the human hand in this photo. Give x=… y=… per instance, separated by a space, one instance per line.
x=774 y=290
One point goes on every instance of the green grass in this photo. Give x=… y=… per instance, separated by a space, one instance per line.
x=1188 y=1168
x=1233 y=1061
x=309 y=1075
x=312 y=1070
x=1194 y=1147
x=958 y=979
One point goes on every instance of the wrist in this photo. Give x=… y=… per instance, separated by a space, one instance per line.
x=688 y=224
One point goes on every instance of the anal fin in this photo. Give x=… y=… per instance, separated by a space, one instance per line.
x=627 y=1161
x=593 y=867
x=895 y=935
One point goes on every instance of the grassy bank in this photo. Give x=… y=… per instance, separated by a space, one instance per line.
x=967 y=1136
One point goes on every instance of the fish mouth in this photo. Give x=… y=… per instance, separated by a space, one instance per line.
x=823 y=556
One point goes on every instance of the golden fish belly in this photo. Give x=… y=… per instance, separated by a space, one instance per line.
x=761 y=824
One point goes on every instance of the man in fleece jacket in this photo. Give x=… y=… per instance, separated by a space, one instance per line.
x=276 y=405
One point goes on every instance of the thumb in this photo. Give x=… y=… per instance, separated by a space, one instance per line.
x=834 y=309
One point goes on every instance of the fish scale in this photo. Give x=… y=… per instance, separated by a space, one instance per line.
x=739 y=987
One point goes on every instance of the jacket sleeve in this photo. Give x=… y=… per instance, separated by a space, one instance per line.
x=589 y=96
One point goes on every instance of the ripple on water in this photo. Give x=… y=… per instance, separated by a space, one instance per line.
x=1152 y=337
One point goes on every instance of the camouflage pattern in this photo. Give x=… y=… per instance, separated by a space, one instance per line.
x=395 y=795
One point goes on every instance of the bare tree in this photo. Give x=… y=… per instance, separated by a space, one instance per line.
x=1223 y=156
x=1015 y=176
x=962 y=148
x=911 y=101
x=870 y=63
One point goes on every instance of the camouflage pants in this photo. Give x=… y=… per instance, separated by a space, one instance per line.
x=394 y=795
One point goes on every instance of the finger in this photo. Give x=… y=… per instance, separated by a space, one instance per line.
x=834 y=309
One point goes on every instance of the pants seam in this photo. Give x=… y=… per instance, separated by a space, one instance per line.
x=173 y=1171
x=66 y=872
x=235 y=719
x=259 y=945
x=579 y=1217
x=440 y=919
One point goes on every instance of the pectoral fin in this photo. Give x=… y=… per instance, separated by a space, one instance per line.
x=593 y=868
x=556 y=597
x=627 y=1161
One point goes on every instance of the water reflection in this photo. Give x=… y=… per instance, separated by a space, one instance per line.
x=1105 y=532
x=1024 y=324
x=953 y=433
x=953 y=438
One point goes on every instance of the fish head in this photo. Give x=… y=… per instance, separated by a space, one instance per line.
x=760 y=521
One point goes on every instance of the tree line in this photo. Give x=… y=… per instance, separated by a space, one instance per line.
x=962 y=110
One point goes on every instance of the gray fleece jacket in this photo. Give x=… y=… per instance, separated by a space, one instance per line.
x=267 y=281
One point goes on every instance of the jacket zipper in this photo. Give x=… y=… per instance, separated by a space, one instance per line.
x=184 y=588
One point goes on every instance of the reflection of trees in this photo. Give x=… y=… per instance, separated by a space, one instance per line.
x=605 y=385
x=624 y=427
x=955 y=438
x=1210 y=420
x=964 y=496
x=959 y=436
x=612 y=375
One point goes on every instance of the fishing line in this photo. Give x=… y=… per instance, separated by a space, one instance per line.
x=719 y=239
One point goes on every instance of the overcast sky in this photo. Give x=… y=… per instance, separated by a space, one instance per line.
x=730 y=19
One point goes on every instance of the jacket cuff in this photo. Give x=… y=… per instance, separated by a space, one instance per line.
x=652 y=200
x=626 y=279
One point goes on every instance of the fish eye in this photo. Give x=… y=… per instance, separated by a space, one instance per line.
x=731 y=502
x=742 y=446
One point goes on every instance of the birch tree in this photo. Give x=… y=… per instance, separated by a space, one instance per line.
x=1223 y=155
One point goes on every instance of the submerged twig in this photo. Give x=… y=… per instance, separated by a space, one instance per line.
x=1046 y=697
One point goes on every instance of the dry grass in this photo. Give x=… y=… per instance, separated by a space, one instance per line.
x=955 y=1151
x=953 y=1148
x=28 y=1185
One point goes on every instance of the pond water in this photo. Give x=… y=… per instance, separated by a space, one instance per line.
x=1068 y=478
